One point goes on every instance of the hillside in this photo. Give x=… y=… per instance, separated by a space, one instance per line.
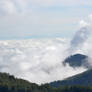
x=84 y=79
x=9 y=83
x=12 y=84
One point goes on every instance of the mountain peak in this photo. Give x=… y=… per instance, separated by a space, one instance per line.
x=77 y=60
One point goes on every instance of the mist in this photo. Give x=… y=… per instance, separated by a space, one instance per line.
x=81 y=36
x=36 y=60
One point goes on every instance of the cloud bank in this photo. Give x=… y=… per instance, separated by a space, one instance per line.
x=38 y=61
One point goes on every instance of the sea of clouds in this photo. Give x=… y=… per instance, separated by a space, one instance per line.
x=39 y=60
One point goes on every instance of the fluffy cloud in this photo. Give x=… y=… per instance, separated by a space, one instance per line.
x=81 y=35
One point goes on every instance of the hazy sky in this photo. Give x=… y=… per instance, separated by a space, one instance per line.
x=21 y=19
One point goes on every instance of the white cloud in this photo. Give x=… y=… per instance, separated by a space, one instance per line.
x=81 y=35
x=83 y=23
x=38 y=61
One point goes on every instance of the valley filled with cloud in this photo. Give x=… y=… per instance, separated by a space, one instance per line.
x=39 y=60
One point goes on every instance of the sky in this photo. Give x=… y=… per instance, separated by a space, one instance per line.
x=24 y=19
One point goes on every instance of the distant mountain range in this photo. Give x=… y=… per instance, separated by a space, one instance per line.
x=77 y=60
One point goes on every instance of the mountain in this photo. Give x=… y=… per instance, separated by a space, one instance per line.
x=9 y=83
x=77 y=60
x=83 y=79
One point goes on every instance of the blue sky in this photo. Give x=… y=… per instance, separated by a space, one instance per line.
x=20 y=19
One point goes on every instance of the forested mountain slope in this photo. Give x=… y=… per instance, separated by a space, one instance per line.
x=84 y=79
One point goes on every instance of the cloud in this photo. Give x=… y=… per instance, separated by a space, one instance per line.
x=83 y=23
x=38 y=61
x=81 y=35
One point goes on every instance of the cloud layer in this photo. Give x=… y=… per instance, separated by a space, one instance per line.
x=38 y=61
